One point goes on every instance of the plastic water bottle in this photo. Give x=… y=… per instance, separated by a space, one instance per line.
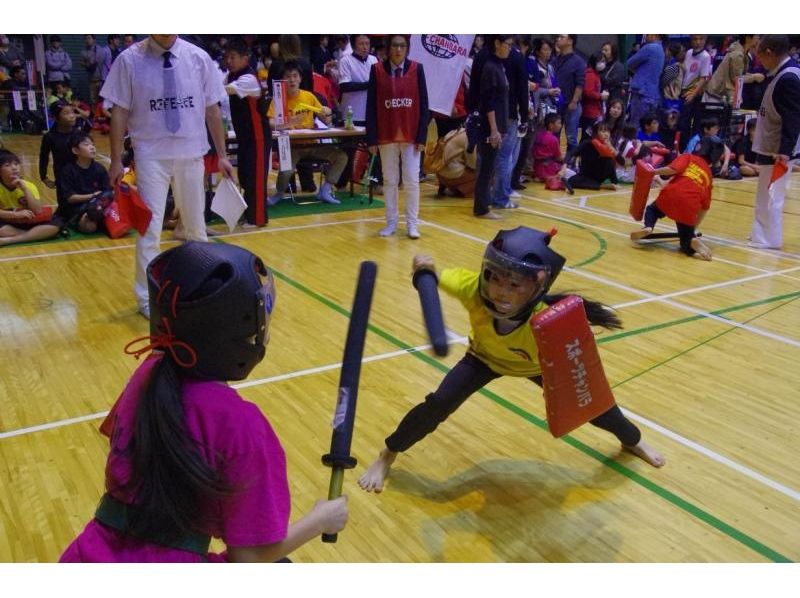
x=348 y=118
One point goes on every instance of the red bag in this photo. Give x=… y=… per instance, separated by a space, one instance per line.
x=43 y=217
x=575 y=386
x=132 y=208
x=116 y=226
x=641 y=189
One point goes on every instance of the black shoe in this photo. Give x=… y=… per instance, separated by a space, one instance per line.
x=517 y=186
x=441 y=191
x=568 y=186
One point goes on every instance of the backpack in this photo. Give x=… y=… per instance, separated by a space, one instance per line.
x=434 y=156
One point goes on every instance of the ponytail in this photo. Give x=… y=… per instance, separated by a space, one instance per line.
x=597 y=313
x=171 y=480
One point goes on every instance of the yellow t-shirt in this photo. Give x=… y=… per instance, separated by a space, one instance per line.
x=13 y=199
x=512 y=354
x=298 y=105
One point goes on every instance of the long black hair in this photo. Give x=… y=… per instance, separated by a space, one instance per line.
x=597 y=313
x=171 y=480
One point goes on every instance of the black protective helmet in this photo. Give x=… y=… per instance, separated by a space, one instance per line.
x=522 y=252
x=211 y=303
x=711 y=148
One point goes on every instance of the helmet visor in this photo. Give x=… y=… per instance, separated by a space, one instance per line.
x=266 y=296
x=510 y=286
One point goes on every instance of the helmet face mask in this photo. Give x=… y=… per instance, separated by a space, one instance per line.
x=518 y=269
x=217 y=299
x=508 y=291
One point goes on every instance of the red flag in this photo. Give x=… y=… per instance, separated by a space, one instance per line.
x=781 y=168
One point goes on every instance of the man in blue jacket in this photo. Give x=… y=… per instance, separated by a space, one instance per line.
x=646 y=65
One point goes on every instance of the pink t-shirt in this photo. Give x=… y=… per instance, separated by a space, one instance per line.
x=546 y=155
x=233 y=434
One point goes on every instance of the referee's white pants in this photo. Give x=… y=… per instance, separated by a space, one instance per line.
x=392 y=155
x=153 y=178
x=768 y=217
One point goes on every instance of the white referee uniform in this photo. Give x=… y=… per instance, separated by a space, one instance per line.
x=136 y=83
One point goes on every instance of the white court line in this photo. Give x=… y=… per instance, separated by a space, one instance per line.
x=707 y=287
x=296 y=374
x=754 y=475
x=51 y=425
x=658 y=227
x=649 y=296
x=691 y=444
x=674 y=436
x=225 y=235
x=582 y=207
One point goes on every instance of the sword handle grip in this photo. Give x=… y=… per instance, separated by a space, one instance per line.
x=334 y=491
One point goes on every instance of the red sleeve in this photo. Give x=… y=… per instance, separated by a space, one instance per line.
x=680 y=163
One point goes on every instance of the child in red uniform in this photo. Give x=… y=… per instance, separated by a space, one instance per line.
x=686 y=198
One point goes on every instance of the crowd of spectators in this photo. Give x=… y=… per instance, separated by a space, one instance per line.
x=612 y=109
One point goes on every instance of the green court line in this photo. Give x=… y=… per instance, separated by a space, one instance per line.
x=701 y=343
x=716 y=312
x=669 y=496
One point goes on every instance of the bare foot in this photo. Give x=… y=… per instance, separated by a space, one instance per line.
x=702 y=250
x=647 y=453
x=637 y=235
x=376 y=474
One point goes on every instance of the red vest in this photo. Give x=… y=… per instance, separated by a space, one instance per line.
x=398 y=105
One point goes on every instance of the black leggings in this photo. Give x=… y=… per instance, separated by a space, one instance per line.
x=468 y=376
x=685 y=231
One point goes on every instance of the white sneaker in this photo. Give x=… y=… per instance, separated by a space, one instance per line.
x=326 y=194
x=387 y=231
x=273 y=199
x=515 y=194
x=413 y=232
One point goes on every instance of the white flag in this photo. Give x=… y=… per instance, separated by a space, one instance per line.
x=17 y=96
x=444 y=57
x=31 y=100
x=228 y=203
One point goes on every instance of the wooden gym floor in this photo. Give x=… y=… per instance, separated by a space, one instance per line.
x=706 y=366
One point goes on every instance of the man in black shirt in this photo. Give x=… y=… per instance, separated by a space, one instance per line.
x=492 y=103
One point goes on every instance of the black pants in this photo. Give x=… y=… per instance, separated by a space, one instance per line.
x=483 y=183
x=524 y=153
x=468 y=376
x=688 y=120
x=252 y=178
x=685 y=231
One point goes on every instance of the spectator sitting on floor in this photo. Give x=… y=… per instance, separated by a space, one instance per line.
x=19 y=201
x=302 y=106
x=629 y=150
x=648 y=131
x=745 y=155
x=59 y=92
x=547 y=159
x=709 y=127
x=597 y=162
x=84 y=187
x=452 y=164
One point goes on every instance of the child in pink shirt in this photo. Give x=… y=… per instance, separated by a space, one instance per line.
x=190 y=459
x=547 y=159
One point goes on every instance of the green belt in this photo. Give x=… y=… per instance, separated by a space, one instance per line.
x=115 y=514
